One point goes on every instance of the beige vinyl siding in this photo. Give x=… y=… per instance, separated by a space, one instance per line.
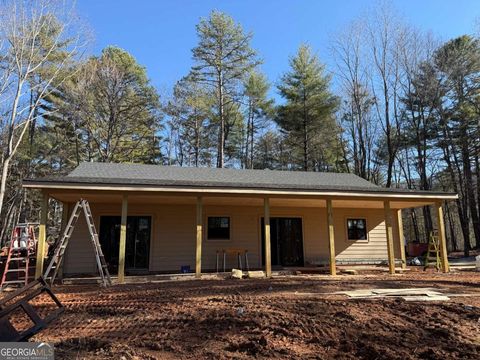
x=172 y=242
x=79 y=255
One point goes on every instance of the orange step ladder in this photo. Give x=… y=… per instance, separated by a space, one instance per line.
x=21 y=249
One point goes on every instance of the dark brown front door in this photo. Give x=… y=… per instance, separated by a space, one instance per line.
x=137 y=249
x=286 y=241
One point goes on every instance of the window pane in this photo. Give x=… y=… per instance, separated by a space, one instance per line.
x=218 y=228
x=357 y=229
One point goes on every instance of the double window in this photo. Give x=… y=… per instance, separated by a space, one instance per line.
x=357 y=229
x=218 y=228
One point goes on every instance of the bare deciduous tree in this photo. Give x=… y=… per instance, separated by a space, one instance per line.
x=33 y=34
x=358 y=120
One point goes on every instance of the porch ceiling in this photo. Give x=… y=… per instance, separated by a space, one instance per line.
x=219 y=200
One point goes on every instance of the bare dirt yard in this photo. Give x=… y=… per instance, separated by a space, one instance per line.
x=290 y=317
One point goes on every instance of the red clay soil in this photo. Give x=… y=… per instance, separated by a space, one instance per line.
x=293 y=317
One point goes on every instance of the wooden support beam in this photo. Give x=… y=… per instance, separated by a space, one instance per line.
x=42 y=236
x=331 y=237
x=389 y=234
x=123 y=241
x=198 y=256
x=401 y=238
x=442 y=238
x=268 y=251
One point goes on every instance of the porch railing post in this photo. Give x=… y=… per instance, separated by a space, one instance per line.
x=331 y=237
x=442 y=237
x=401 y=239
x=268 y=252
x=198 y=255
x=389 y=235
x=42 y=236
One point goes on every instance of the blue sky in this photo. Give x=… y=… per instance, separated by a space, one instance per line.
x=161 y=33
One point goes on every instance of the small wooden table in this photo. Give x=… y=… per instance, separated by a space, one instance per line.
x=238 y=252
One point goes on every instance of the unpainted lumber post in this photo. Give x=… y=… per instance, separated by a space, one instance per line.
x=42 y=236
x=389 y=234
x=442 y=238
x=198 y=256
x=268 y=252
x=401 y=239
x=331 y=237
x=123 y=240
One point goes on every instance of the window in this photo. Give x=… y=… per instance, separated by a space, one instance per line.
x=357 y=229
x=218 y=228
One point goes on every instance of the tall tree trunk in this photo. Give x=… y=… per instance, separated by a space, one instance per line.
x=413 y=215
x=305 y=134
x=252 y=132
x=451 y=226
x=197 y=142
x=470 y=192
x=221 y=114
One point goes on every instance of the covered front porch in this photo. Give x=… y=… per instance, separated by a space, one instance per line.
x=181 y=226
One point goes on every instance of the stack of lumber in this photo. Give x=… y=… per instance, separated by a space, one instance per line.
x=410 y=294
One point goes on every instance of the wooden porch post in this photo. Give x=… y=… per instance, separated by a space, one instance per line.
x=331 y=237
x=441 y=237
x=42 y=236
x=401 y=238
x=268 y=252
x=198 y=256
x=389 y=234
x=123 y=241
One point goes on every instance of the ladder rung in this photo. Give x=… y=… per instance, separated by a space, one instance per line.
x=22 y=281
x=16 y=270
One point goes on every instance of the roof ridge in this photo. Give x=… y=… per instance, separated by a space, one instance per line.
x=207 y=168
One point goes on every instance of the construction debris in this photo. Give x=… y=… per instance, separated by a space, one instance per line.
x=350 y=271
x=256 y=274
x=410 y=294
x=237 y=274
x=426 y=298
x=21 y=318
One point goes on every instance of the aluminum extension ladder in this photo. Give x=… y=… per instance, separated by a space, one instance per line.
x=20 y=252
x=58 y=256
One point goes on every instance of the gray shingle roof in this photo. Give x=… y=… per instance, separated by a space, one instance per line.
x=172 y=176
x=167 y=175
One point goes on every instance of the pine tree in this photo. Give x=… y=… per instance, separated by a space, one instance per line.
x=191 y=111
x=258 y=109
x=307 y=117
x=223 y=57
x=111 y=109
